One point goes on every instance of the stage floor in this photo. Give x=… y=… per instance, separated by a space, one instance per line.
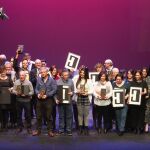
x=9 y=140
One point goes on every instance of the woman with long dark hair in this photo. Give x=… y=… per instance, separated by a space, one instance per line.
x=83 y=90
x=137 y=112
x=128 y=80
x=146 y=77
x=98 y=68
x=55 y=75
x=5 y=82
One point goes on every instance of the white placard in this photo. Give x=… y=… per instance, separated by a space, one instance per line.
x=63 y=94
x=72 y=61
x=135 y=96
x=118 y=98
x=93 y=76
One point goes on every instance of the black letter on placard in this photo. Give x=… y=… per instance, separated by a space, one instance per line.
x=73 y=61
x=135 y=95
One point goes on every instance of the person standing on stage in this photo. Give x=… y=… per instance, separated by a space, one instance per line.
x=84 y=91
x=7 y=83
x=45 y=90
x=23 y=90
x=102 y=102
x=137 y=112
x=65 y=110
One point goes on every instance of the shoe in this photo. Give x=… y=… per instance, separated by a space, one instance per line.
x=121 y=133
x=105 y=131
x=86 y=131
x=55 y=133
x=139 y=131
x=61 y=133
x=135 y=131
x=50 y=134
x=36 y=133
x=69 y=133
x=29 y=131
x=19 y=130
x=80 y=130
x=99 y=130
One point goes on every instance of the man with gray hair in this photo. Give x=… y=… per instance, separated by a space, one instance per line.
x=23 y=90
x=2 y=60
x=10 y=71
x=108 y=66
x=45 y=90
x=34 y=74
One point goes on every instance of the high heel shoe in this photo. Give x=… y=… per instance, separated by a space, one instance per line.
x=99 y=130
x=80 y=130
x=105 y=131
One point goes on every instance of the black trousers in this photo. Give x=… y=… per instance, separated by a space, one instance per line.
x=103 y=112
x=137 y=117
x=4 y=118
x=54 y=116
x=94 y=116
x=27 y=108
x=47 y=107
x=94 y=113
x=75 y=115
x=33 y=105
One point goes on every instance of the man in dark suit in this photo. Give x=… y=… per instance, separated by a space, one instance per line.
x=34 y=74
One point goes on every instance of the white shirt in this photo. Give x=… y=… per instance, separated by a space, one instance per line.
x=109 y=90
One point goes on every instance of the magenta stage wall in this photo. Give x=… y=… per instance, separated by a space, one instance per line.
x=94 y=29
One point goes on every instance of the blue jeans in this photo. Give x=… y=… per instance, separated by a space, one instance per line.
x=121 y=115
x=65 y=117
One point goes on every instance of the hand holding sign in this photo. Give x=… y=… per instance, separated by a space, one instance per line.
x=118 y=98
x=135 y=95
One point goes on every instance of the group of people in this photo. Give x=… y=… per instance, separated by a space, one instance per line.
x=33 y=87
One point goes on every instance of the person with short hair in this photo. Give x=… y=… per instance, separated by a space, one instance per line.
x=34 y=75
x=23 y=90
x=137 y=112
x=121 y=112
x=7 y=83
x=65 y=110
x=146 y=77
x=45 y=90
x=108 y=64
x=102 y=102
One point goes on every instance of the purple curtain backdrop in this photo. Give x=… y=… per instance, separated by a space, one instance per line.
x=94 y=29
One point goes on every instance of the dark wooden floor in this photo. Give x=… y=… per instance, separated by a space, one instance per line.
x=11 y=141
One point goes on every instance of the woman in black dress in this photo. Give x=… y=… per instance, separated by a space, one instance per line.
x=137 y=112
x=5 y=82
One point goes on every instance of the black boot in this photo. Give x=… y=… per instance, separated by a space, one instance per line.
x=140 y=131
x=135 y=131
x=86 y=130
x=105 y=131
x=80 y=130
x=99 y=131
